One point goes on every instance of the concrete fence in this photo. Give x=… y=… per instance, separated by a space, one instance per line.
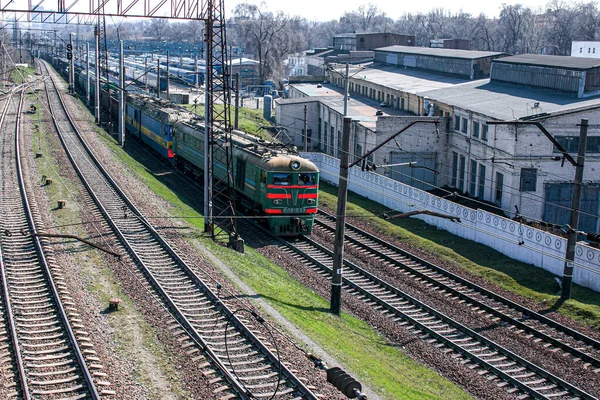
x=518 y=241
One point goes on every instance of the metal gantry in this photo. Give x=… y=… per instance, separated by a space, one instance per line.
x=218 y=97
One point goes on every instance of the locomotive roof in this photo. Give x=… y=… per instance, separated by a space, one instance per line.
x=159 y=109
x=269 y=155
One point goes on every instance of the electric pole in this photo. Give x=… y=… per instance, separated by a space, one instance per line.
x=121 y=94
x=340 y=222
x=97 y=80
x=567 y=282
x=306 y=128
x=168 y=82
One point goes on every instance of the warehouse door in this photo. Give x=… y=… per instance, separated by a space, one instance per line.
x=421 y=175
x=557 y=207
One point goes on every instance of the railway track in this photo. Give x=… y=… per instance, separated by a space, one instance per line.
x=47 y=359
x=247 y=366
x=583 y=349
x=469 y=347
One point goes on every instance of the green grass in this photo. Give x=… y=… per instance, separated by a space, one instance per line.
x=524 y=279
x=351 y=341
x=249 y=120
x=380 y=364
x=20 y=74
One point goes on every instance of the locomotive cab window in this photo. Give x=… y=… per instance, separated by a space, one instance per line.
x=306 y=179
x=282 y=179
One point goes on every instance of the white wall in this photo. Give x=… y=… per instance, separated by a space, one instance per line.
x=585 y=49
x=539 y=248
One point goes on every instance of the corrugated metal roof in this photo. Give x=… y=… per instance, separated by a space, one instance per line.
x=579 y=63
x=438 y=52
x=507 y=102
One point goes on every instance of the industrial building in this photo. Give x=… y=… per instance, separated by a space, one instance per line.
x=515 y=168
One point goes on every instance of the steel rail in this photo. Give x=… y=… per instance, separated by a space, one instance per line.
x=483 y=291
x=431 y=332
x=46 y=268
x=192 y=332
x=11 y=321
x=460 y=294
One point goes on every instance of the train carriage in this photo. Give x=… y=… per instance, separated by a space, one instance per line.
x=151 y=120
x=270 y=179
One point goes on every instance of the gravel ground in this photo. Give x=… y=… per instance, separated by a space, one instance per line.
x=151 y=205
x=119 y=371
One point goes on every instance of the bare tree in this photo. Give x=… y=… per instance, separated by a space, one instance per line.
x=367 y=18
x=158 y=29
x=265 y=34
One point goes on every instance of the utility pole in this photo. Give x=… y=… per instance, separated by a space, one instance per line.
x=158 y=77
x=306 y=128
x=237 y=98
x=340 y=223
x=196 y=71
x=346 y=89
x=71 y=63
x=208 y=154
x=97 y=80
x=20 y=46
x=168 y=81
x=567 y=282
x=87 y=71
x=121 y=94
x=146 y=73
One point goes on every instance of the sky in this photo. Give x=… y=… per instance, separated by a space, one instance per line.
x=326 y=10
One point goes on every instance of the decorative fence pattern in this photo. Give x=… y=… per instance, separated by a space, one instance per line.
x=521 y=242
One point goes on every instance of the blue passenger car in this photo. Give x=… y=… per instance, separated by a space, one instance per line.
x=151 y=123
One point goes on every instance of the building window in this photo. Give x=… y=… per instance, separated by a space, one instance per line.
x=456 y=123
x=475 y=130
x=589 y=49
x=499 y=185
x=594 y=50
x=528 y=179
x=481 y=190
x=463 y=127
x=473 y=180
x=339 y=151
x=484 y=132
x=461 y=173
x=402 y=103
x=325 y=137
x=581 y=49
x=454 y=168
x=332 y=142
x=571 y=144
x=319 y=144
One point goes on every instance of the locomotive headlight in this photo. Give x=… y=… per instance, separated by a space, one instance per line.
x=295 y=165
x=310 y=201
x=277 y=201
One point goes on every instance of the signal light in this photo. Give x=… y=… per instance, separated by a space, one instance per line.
x=69 y=47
